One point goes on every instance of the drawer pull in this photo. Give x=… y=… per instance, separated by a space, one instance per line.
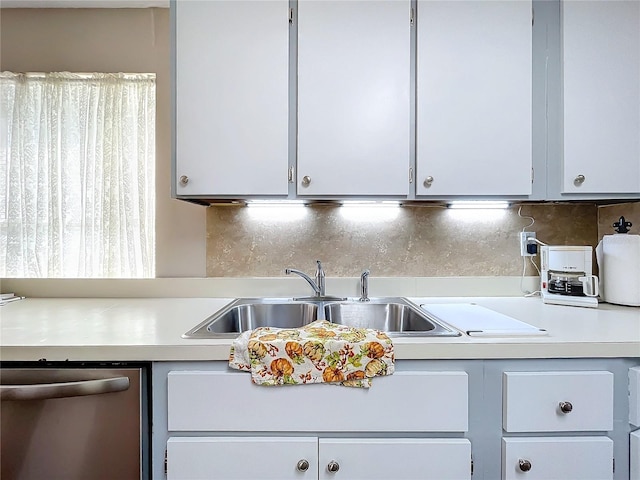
x=524 y=465
x=565 y=407
x=333 y=466
x=303 y=465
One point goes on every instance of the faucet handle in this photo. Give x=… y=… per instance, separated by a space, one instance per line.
x=364 y=286
x=320 y=278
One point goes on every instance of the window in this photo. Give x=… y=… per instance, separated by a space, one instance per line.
x=77 y=175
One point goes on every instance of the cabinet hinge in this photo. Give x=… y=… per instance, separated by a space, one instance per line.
x=291 y=16
x=471 y=465
x=532 y=174
x=412 y=18
x=410 y=175
x=165 y=462
x=614 y=464
x=290 y=175
x=533 y=16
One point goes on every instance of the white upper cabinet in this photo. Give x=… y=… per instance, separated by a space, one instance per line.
x=353 y=97
x=232 y=95
x=601 y=96
x=474 y=81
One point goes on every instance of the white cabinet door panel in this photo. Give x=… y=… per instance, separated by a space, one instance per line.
x=209 y=401
x=558 y=458
x=474 y=98
x=397 y=459
x=601 y=90
x=634 y=452
x=232 y=97
x=532 y=401
x=634 y=396
x=353 y=97
x=241 y=458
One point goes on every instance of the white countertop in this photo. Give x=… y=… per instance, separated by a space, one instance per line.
x=150 y=329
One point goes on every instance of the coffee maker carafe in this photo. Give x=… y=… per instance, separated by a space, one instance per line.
x=567 y=276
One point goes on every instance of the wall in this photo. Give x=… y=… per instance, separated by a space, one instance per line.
x=115 y=40
x=428 y=241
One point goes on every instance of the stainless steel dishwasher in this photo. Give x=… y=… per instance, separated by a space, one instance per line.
x=73 y=423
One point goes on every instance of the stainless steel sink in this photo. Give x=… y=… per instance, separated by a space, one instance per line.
x=249 y=313
x=395 y=315
x=388 y=317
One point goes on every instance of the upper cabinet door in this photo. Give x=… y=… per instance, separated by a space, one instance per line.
x=353 y=97
x=601 y=90
x=232 y=95
x=474 y=98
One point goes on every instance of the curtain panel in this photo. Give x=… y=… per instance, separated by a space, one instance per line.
x=77 y=175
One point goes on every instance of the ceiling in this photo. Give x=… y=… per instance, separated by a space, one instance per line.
x=83 y=3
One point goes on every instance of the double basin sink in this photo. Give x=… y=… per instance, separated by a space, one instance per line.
x=396 y=316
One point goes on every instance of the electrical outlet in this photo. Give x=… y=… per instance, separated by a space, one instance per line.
x=523 y=243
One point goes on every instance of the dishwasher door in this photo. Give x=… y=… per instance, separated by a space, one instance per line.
x=67 y=424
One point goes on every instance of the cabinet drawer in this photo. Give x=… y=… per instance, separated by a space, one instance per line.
x=566 y=458
x=634 y=396
x=557 y=401
x=395 y=458
x=405 y=401
x=240 y=458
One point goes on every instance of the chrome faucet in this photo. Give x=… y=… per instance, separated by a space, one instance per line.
x=364 y=286
x=318 y=285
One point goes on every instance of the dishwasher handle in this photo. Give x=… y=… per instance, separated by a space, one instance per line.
x=45 y=391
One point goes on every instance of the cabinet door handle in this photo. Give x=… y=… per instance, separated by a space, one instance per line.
x=306 y=181
x=524 y=465
x=579 y=180
x=184 y=180
x=565 y=407
x=428 y=181
x=303 y=465
x=333 y=466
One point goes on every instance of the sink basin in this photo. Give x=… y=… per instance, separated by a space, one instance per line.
x=249 y=313
x=388 y=317
x=396 y=316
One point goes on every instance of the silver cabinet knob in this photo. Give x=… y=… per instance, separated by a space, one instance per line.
x=524 y=465
x=428 y=181
x=302 y=465
x=333 y=466
x=184 y=180
x=565 y=407
x=306 y=181
x=579 y=180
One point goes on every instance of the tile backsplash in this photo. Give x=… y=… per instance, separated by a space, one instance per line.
x=609 y=214
x=415 y=241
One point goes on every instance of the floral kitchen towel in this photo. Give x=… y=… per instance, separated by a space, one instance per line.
x=320 y=352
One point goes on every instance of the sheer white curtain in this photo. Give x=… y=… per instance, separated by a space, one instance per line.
x=77 y=175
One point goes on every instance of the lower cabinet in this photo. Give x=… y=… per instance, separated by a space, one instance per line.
x=555 y=458
x=399 y=459
x=242 y=458
x=509 y=419
x=282 y=458
x=557 y=402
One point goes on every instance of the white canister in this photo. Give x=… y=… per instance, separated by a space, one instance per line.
x=619 y=262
